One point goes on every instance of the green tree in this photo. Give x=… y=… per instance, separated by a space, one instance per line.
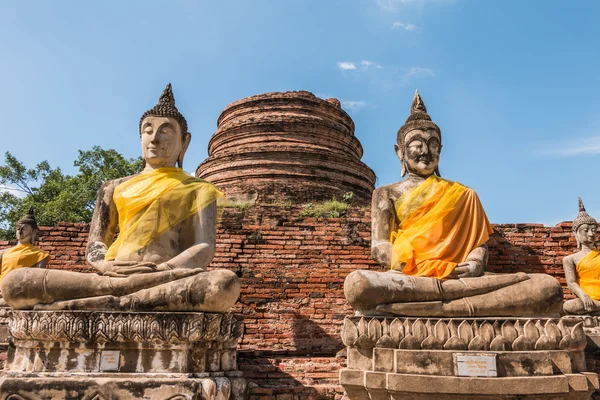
x=58 y=197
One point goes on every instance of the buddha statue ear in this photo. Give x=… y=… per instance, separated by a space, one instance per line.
x=437 y=168
x=186 y=142
x=400 y=153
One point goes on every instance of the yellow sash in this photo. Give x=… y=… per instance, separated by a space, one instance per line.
x=441 y=222
x=588 y=272
x=21 y=256
x=151 y=203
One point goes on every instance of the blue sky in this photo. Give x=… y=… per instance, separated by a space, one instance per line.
x=514 y=85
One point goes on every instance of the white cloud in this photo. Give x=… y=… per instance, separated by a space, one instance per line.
x=584 y=147
x=383 y=77
x=393 y=5
x=405 y=26
x=353 y=105
x=346 y=66
x=418 y=71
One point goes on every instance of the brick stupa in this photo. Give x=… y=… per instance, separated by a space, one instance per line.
x=294 y=146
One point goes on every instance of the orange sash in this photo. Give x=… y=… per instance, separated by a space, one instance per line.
x=21 y=256
x=441 y=223
x=151 y=203
x=588 y=273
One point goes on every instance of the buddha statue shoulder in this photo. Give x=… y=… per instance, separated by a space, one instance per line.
x=582 y=269
x=431 y=234
x=167 y=230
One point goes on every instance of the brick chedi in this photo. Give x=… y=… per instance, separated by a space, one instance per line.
x=287 y=146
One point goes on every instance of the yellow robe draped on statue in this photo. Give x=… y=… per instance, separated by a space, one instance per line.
x=21 y=256
x=588 y=273
x=153 y=202
x=441 y=222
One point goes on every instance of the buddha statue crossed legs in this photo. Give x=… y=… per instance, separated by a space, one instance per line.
x=432 y=233
x=167 y=222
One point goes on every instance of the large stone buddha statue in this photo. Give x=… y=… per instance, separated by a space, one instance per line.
x=582 y=269
x=167 y=227
x=431 y=234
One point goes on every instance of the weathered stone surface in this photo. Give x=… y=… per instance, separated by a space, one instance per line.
x=116 y=355
x=391 y=369
x=366 y=333
x=76 y=341
x=121 y=387
x=287 y=146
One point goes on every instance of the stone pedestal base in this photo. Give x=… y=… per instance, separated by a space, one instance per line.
x=120 y=387
x=406 y=358
x=120 y=355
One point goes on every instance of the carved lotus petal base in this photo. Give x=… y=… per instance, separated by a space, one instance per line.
x=426 y=358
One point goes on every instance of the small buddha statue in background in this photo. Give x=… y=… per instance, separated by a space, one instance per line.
x=582 y=269
x=167 y=223
x=25 y=254
x=432 y=233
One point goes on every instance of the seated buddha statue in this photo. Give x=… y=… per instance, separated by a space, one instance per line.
x=167 y=228
x=25 y=254
x=431 y=234
x=582 y=269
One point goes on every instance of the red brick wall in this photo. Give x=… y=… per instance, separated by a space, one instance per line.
x=292 y=272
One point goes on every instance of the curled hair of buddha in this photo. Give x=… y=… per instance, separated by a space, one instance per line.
x=166 y=108
x=29 y=219
x=583 y=217
x=418 y=119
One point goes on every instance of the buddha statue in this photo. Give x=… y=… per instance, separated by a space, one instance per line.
x=167 y=228
x=582 y=269
x=25 y=254
x=431 y=233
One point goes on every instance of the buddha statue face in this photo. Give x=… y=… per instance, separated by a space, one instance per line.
x=25 y=233
x=421 y=153
x=586 y=235
x=163 y=143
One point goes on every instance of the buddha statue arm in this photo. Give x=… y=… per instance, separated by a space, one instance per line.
x=571 y=276
x=200 y=254
x=382 y=224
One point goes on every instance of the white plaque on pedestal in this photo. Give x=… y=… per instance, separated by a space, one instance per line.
x=476 y=365
x=110 y=360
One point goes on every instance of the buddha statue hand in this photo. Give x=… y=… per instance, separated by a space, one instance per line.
x=588 y=303
x=382 y=253
x=467 y=269
x=116 y=268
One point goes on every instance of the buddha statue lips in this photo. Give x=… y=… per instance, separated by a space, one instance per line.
x=432 y=234
x=167 y=229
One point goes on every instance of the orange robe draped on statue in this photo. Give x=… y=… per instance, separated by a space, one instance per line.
x=21 y=256
x=441 y=222
x=152 y=202
x=588 y=273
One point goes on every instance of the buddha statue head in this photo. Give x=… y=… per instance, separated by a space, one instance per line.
x=27 y=228
x=584 y=227
x=419 y=142
x=163 y=133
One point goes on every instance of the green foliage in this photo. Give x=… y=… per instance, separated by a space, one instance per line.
x=331 y=208
x=240 y=205
x=58 y=197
